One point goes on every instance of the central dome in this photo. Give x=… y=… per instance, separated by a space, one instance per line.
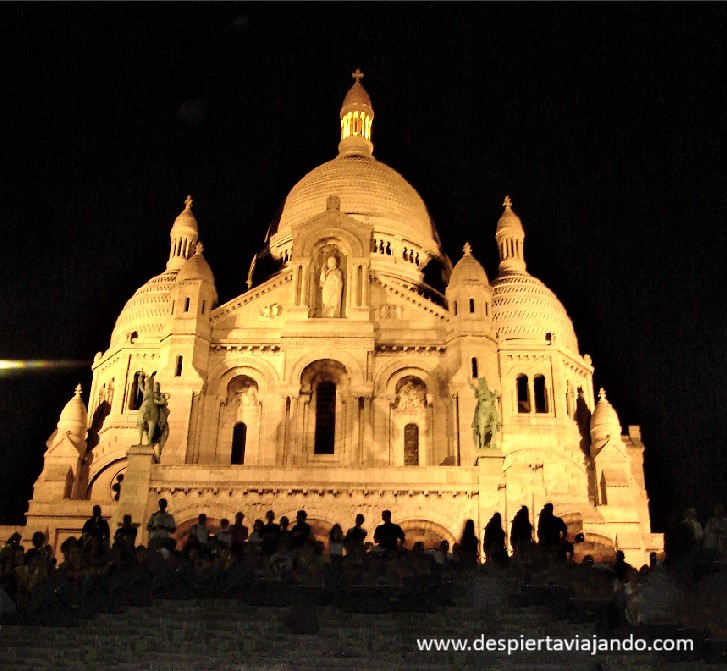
x=369 y=191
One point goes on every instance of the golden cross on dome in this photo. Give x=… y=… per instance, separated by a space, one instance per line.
x=467 y=249
x=602 y=394
x=358 y=75
x=507 y=202
x=188 y=202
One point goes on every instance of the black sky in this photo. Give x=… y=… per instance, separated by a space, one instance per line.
x=605 y=123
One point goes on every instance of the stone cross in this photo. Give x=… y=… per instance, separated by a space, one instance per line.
x=188 y=202
x=507 y=202
x=358 y=75
x=467 y=249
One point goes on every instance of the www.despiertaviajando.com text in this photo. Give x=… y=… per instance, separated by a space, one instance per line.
x=577 y=644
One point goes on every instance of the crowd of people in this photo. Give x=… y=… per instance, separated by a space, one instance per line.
x=229 y=556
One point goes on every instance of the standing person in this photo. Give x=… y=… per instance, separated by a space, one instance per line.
x=552 y=531
x=270 y=534
x=125 y=535
x=356 y=535
x=335 y=544
x=715 y=533
x=521 y=532
x=493 y=544
x=161 y=526
x=469 y=546
x=224 y=535
x=238 y=534
x=199 y=535
x=97 y=527
x=390 y=537
x=301 y=530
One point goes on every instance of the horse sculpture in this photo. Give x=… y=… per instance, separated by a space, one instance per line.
x=485 y=422
x=152 y=417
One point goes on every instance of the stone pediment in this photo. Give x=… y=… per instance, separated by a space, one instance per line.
x=332 y=223
x=264 y=305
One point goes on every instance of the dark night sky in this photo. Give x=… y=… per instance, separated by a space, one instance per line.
x=605 y=123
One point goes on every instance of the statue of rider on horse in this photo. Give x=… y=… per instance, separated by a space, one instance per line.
x=152 y=418
x=486 y=421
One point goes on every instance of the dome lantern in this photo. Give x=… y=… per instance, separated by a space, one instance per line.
x=510 y=237
x=357 y=117
x=184 y=236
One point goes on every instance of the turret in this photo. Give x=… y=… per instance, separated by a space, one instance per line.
x=510 y=237
x=184 y=237
x=357 y=117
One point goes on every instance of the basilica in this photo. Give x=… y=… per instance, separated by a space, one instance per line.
x=361 y=371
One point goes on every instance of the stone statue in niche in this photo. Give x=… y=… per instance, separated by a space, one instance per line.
x=248 y=396
x=411 y=397
x=486 y=421
x=331 y=284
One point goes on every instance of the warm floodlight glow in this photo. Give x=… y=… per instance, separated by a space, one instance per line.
x=9 y=366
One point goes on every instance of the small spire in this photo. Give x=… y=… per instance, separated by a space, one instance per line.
x=188 y=203
x=358 y=75
x=467 y=249
x=78 y=390
x=601 y=394
x=507 y=202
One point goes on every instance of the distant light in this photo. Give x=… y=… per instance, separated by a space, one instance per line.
x=10 y=366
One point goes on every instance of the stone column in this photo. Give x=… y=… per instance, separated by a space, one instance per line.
x=135 y=489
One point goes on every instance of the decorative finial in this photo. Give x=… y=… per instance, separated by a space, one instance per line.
x=602 y=394
x=188 y=202
x=507 y=202
x=198 y=249
x=467 y=249
x=358 y=75
x=78 y=390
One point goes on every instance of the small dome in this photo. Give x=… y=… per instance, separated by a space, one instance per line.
x=523 y=307
x=604 y=420
x=369 y=191
x=74 y=417
x=196 y=268
x=468 y=270
x=147 y=312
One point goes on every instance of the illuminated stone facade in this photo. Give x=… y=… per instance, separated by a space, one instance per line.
x=341 y=381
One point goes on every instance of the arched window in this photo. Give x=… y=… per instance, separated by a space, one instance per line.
x=136 y=393
x=178 y=368
x=186 y=304
x=204 y=306
x=455 y=308
x=472 y=305
x=540 y=393
x=325 y=434
x=523 y=394
x=239 y=438
x=411 y=445
x=475 y=372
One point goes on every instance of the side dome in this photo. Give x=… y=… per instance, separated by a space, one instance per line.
x=369 y=191
x=74 y=417
x=147 y=312
x=468 y=270
x=605 y=423
x=523 y=307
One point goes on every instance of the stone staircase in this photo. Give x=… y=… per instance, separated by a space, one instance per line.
x=232 y=634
